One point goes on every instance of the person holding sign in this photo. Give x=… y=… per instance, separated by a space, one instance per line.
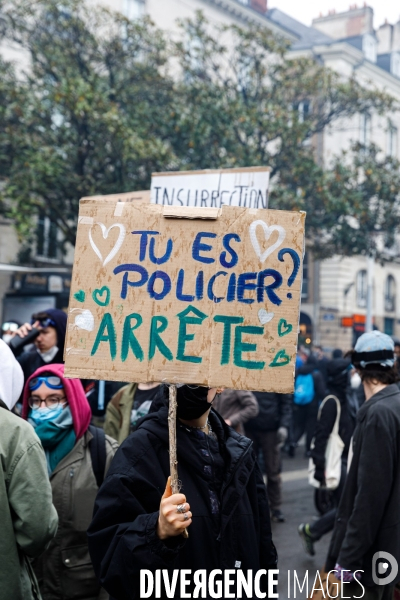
x=135 y=538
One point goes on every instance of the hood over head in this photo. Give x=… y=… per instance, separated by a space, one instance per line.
x=60 y=319
x=11 y=376
x=78 y=403
x=338 y=374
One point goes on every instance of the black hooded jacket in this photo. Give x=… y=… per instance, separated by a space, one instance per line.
x=337 y=378
x=232 y=531
x=368 y=517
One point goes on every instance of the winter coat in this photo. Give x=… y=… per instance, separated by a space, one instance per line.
x=275 y=411
x=368 y=517
x=28 y=517
x=64 y=571
x=237 y=406
x=235 y=530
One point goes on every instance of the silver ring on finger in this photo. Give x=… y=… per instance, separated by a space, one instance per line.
x=180 y=508
x=185 y=517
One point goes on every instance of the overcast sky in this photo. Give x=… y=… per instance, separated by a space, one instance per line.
x=306 y=10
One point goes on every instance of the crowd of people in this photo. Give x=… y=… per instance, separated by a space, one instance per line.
x=85 y=492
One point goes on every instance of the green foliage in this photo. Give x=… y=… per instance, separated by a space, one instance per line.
x=247 y=104
x=91 y=110
x=103 y=102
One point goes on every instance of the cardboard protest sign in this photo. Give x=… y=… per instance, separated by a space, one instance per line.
x=211 y=301
x=246 y=187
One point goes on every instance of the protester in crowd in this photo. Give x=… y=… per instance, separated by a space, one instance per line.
x=138 y=522
x=28 y=517
x=236 y=407
x=127 y=406
x=309 y=392
x=337 y=353
x=49 y=344
x=367 y=520
x=9 y=330
x=338 y=373
x=322 y=362
x=269 y=431
x=78 y=456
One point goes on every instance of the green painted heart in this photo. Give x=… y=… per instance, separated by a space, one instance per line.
x=284 y=327
x=281 y=359
x=80 y=296
x=98 y=296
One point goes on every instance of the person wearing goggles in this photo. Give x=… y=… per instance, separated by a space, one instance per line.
x=78 y=455
x=47 y=333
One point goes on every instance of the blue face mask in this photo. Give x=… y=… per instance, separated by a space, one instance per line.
x=40 y=415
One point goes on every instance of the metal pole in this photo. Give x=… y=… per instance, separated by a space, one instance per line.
x=102 y=393
x=316 y=299
x=370 y=284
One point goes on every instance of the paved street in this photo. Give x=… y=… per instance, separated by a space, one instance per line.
x=298 y=507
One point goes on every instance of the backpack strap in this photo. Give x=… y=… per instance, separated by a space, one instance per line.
x=97 y=446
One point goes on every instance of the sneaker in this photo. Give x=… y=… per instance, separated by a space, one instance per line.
x=277 y=516
x=307 y=539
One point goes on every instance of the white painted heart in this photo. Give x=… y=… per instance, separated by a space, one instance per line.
x=264 y=316
x=85 y=320
x=267 y=232
x=105 y=232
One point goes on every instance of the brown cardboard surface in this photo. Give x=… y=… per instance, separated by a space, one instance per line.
x=230 y=321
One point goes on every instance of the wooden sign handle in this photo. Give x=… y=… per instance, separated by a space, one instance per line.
x=173 y=460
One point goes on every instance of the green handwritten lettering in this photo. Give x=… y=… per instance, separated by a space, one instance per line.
x=155 y=338
x=227 y=335
x=183 y=336
x=129 y=340
x=241 y=347
x=106 y=324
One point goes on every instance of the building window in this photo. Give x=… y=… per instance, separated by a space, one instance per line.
x=362 y=288
x=392 y=140
x=369 y=47
x=46 y=236
x=304 y=289
x=365 y=129
x=388 y=326
x=395 y=64
x=390 y=294
x=134 y=9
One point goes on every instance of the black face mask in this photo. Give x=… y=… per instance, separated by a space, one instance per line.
x=192 y=402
